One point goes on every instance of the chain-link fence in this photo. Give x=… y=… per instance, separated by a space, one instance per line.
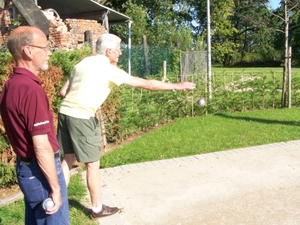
x=193 y=63
x=146 y=61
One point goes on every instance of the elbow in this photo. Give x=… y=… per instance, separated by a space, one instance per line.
x=62 y=93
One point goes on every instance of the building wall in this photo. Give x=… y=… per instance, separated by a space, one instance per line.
x=69 y=34
x=63 y=34
x=5 y=23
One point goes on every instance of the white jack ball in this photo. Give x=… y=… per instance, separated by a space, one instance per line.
x=201 y=102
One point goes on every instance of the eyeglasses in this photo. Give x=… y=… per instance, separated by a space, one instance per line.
x=46 y=48
x=119 y=51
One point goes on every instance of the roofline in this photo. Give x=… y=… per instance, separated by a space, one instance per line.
x=109 y=9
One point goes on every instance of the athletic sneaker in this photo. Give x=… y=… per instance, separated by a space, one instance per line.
x=106 y=211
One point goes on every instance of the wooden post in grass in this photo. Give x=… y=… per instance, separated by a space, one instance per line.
x=165 y=79
x=290 y=77
x=147 y=72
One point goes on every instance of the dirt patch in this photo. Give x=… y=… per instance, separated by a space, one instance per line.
x=114 y=145
x=9 y=191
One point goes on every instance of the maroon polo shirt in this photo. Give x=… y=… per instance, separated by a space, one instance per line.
x=26 y=112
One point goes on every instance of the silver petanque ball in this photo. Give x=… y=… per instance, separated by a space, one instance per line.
x=201 y=102
x=47 y=204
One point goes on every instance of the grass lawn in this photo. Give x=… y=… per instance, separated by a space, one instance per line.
x=210 y=133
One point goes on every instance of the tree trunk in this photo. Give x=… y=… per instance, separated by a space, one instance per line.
x=286 y=55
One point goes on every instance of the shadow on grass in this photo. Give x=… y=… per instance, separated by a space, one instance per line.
x=259 y=120
x=74 y=204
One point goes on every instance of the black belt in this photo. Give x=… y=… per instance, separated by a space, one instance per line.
x=28 y=160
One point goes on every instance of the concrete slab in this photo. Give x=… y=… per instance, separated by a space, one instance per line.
x=250 y=186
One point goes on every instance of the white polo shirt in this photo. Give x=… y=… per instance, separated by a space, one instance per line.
x=93 y=79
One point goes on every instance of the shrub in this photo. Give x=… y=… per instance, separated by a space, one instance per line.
x=66 y=60
x=7 y=174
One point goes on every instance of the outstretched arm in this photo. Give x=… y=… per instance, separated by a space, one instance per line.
x=158 y=85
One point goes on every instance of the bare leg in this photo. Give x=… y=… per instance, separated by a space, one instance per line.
x=66 y=165
x=93 y=182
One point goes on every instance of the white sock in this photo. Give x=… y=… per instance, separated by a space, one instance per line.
x=97 y=209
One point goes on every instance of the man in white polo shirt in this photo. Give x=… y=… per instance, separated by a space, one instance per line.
x=90 y=83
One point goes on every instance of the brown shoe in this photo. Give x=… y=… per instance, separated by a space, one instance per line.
x=106 y=211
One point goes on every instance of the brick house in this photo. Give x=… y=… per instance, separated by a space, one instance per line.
x=67 y=23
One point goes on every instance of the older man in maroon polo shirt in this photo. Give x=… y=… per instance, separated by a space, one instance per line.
x=28 y=121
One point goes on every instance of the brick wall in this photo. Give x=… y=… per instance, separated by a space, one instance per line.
x=67 y=34
x=5 y=22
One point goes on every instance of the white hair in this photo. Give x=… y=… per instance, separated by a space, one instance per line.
x=107 y=41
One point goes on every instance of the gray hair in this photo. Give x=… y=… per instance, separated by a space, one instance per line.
x=106 y=41
x=20 y=37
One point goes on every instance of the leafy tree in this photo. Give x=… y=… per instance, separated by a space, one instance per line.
x=222 y=28
x=138 y=14
x=286 y=15
x=165 y=23
x=241 y=30
x=252 y=20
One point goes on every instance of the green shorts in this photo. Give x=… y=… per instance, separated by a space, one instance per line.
x=79 y=136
